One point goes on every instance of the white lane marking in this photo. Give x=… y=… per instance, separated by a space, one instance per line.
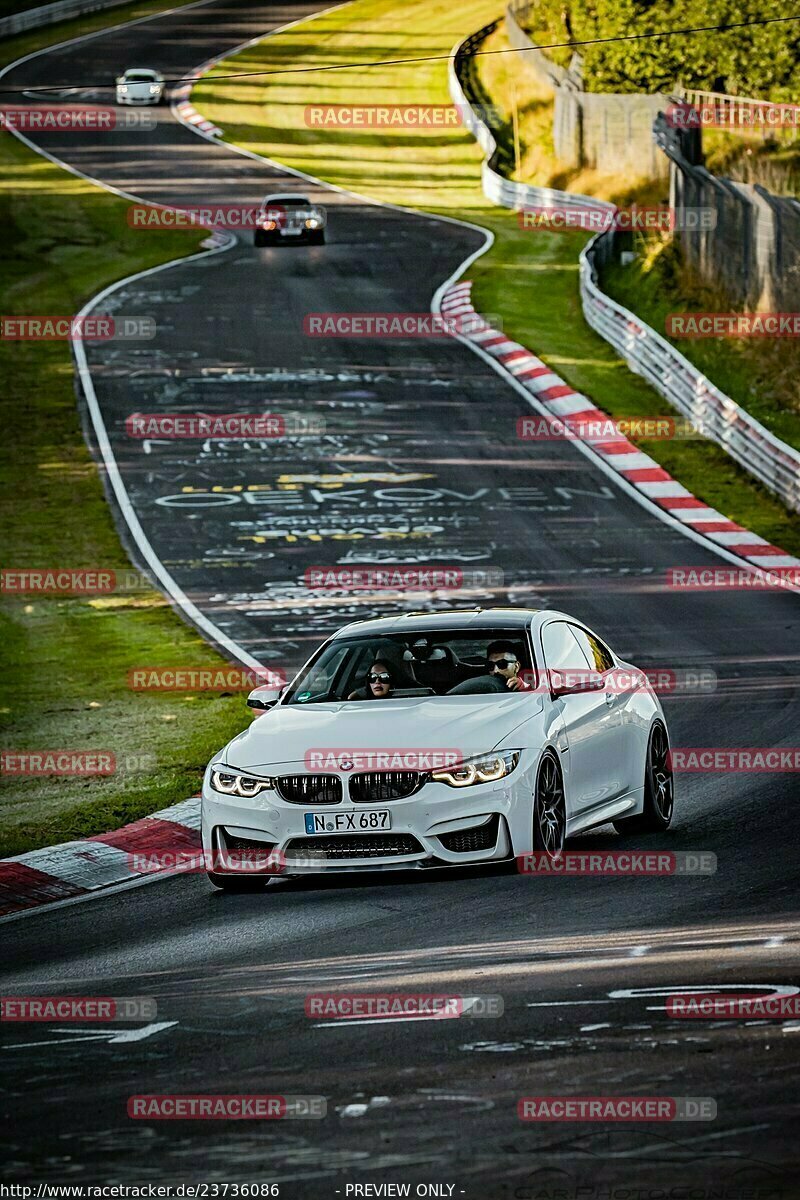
x=86 y=37
x=694 y=989
x=381 y=1020
x=591 y=1028
x=774 y=941
x=168 y=584
x=688 y=1140
x=638 y=951
x=778 y=989
x=358 y=1110
x=561 y=1003
x=162 y=575
x=146 y=1031
x=97 y=1035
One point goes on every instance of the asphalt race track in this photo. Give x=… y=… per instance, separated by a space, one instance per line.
x=419 y=463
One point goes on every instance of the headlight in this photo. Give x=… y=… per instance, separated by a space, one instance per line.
x=122 y=87
x=269 y=224
x=312 y=222
x=233 y=783
x=483 y=768
x=154 y=87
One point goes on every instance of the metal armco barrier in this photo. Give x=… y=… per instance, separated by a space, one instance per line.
x=711 y=412
x=49 y=14
x=498 y=189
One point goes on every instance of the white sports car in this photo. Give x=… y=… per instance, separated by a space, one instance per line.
x=140 y=85
x=438 y=739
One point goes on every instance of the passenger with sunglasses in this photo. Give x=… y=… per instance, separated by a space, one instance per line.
x=379 y=681
x=503 y=659
x=378 y=684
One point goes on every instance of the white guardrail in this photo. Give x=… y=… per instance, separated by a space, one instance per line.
x=49 y=14
x=713 y=414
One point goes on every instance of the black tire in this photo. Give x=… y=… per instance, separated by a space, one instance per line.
x=259 y=239
x=659 y=788
x=549 y=808
x=318 y=238
x=233 y=883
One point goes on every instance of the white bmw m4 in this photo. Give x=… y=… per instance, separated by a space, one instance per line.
x=438 y=739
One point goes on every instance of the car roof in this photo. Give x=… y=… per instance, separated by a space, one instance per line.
x=453 y=618
x=141 y=71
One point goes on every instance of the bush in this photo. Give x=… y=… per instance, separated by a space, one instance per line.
x=760 y=61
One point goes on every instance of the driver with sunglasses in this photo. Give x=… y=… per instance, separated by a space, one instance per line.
x=377 y=685
x=502 y=658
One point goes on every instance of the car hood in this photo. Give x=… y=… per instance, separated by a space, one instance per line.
x=284 y=735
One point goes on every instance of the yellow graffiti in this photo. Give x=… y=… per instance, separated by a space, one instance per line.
x=297 y=482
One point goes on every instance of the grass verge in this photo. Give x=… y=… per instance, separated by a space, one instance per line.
x=529 y=277
x=758 y=373
x=64 y=661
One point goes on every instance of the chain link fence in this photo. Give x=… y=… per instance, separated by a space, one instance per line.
x=753 y=250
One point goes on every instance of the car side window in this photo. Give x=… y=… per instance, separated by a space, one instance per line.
x=321 y=677
x=599 y=656
x=561 y=649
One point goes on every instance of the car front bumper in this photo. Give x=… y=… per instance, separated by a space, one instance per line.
x=290 y=230
x=437 y=826
x=137 y=101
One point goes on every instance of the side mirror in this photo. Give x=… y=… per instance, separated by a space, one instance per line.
x=574 y=683
x=263 y=698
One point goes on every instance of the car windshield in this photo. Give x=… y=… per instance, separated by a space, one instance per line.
x=419 y=663
x=140 y=77
x=287 y=202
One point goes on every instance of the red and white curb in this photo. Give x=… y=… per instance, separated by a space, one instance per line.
x=561 y=401
x=185 y=110
x=75 y=868
x=190 y=116
x=217 y=240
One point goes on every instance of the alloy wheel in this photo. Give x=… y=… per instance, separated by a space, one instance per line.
x=551 y=809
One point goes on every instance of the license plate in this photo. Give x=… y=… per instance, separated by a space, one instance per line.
x=360 y=821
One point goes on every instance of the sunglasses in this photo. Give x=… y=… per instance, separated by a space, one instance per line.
x=500 y=663
x=381 y=677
